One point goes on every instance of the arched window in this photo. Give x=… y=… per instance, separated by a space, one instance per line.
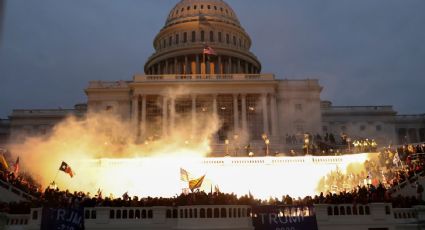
x=195 y=213
x=202 y=36
x=174 y=213
x=170 y=41
x=330 y=211
x=223 y=213
x=336 y=211
x=342 y=210
x=124 y=214
x=216 y=213
x=202 y=213
x=131 y=214
x=361 y=210
x=111 y=214
x=354 y=210
x=209 y=213
x=150 y=214
x=177 y=39
x=211 y=36
x=239 y=212
x=137 y=214
x=143 y=214
x=230 y=212
x=181 y=213
x=348 y=210
x=118 y=214
x=184 y=37
x=367 y=210
x=193 y=36
x=168 y=214
x=185 y=213
x=227 y=38
x=234 y=40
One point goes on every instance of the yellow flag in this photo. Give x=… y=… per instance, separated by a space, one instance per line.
x=3 y=162
x=196 y=183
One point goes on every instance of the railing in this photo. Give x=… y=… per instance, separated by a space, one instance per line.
x=15 y=190
x=360 y=109
x=37 y=112
x=108 y=84
x=204 y=77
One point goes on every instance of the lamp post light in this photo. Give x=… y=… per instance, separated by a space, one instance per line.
x=267 y=141
x=236 y=144
x=227 y=146
x=306 y=141
x=349 y=145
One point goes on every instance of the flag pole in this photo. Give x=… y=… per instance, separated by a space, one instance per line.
x=56 y=176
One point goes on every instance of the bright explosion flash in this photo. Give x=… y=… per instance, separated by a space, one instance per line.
x=103 y=153
x=263 y=177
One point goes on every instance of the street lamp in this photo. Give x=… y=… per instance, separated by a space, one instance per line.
x=267 y=141
x=236 y=144
x=349 y=145
x=306 y=141
x=227 y=146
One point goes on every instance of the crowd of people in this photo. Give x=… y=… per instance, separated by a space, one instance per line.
x=329 y=144
x=393 y=168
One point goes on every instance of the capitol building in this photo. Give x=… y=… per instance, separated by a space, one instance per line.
x=202 y=65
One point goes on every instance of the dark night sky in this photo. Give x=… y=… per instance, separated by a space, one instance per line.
x=363 y=52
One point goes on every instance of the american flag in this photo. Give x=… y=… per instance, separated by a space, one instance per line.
x=209 y=51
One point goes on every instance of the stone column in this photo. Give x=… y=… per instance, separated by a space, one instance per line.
x=164 y=115
x=230 y=66
x=265 y=114
x=186 y=64
x=246 y=67
x=273 y=111
x=158 y=66
x=193 y=113
x=219 y=67
x=235 y=113
x=135 y=111
x=244 y=122
x=143 y=123
x=215 y=104
x=176 y=70
x=215 y=112
x=172 y=114
x=198 y=65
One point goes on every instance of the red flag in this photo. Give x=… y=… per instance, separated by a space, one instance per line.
x=65 y=168
x=16 y=167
